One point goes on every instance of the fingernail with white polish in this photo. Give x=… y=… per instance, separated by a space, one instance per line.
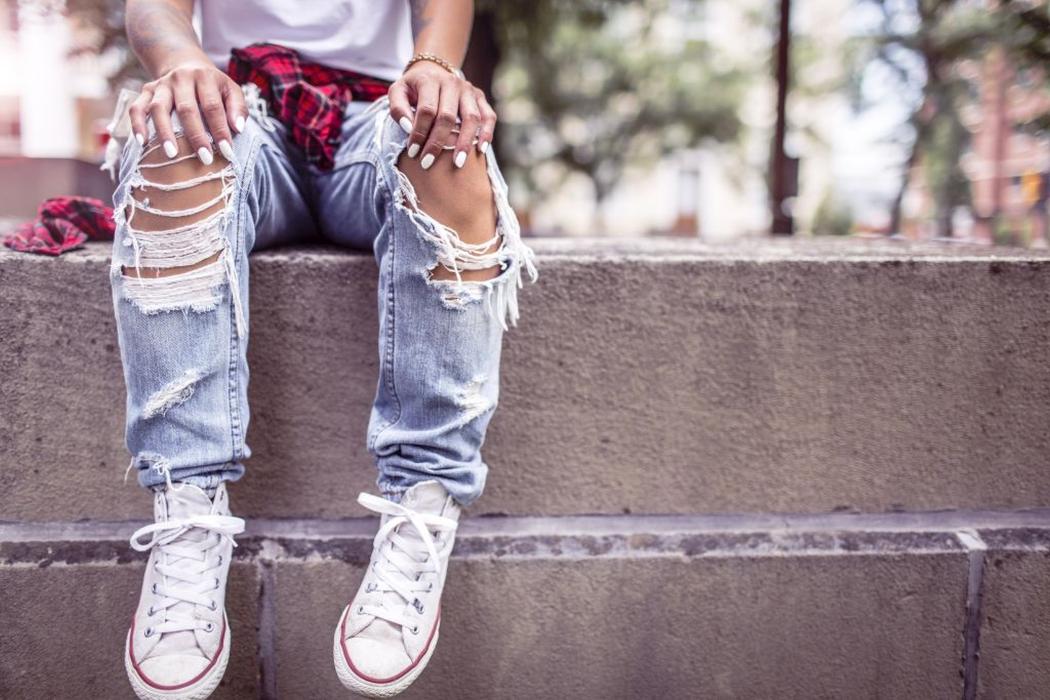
x=140 y=139
x=170 y=150
x=483 y=147
x=461 y=158
x=427 y=161
x=413 y=150
x=205 y=155
x=226 y=150
x=239 y=124
x=406 y=124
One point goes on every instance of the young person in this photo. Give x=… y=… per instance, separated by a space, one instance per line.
x=352 y=123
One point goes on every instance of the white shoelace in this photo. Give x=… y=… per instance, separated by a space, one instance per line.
x=402 y=560
x=185 y=566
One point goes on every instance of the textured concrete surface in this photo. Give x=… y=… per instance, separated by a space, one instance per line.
x=1015 y=632
x=62 y=630
x=644 y=378
x=669 y=628
x=607 y=607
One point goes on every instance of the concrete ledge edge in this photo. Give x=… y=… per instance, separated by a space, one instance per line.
x=590 y=250
x=628 y=536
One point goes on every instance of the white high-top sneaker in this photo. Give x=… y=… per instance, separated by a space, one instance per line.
x=179 y=641
x=388 y=632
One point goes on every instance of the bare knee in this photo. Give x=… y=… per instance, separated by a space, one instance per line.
x=460 y=199
x=157 y=168
x=175 y=216
x=464 y=215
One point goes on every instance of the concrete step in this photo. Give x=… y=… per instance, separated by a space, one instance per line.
x=645 y=378
x=857 y=606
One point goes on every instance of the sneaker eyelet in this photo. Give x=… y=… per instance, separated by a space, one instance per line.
x=414 y=629
x=216 y=583
x=220 y=560
x=148 y=632
x=150 y=612
x=430 y=587
x=214 y=606
x=210 y=627
x=418 y=605
x=360 y=610
x=153 y=589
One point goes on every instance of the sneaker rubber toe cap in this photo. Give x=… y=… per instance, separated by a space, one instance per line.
x=375 y=660
x=172 y=669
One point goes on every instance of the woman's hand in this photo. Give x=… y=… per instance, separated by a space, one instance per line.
x=206 y=100
x=439 y=99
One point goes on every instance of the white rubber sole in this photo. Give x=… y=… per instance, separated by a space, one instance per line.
x=359 y=685
x=198 y=691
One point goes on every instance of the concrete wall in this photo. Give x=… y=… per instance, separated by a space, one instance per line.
x=675 y=381
x=844 y=606
x=834 y=396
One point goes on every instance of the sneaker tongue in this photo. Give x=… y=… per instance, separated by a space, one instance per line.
x=184 y=501
x=187 y=500
x=426 y=497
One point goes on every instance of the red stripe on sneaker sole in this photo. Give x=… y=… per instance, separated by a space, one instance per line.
x=391 y=679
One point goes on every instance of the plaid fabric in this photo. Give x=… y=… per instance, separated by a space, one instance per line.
x=63 y=223
x=308 y=98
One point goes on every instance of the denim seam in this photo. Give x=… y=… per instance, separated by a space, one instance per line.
x=131 y=153
x=264 y=198
x=388 y=360
x=247 y=177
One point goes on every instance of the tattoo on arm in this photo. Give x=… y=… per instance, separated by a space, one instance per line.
x=419 y=19
x=155 y=25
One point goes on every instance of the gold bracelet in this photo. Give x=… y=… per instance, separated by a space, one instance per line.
x=434 y=58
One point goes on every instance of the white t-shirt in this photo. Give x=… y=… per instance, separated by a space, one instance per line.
x=373 y=37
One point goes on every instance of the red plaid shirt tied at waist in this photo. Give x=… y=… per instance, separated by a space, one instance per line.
x=308 y=98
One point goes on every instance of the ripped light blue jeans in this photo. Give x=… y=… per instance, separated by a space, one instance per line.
x=184 y=336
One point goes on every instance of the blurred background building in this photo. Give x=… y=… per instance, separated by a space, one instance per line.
x=920 y=119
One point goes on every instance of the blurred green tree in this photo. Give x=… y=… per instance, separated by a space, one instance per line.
x=102 y=25
x=921 y=45
x=1024 y=32
x=832 y=217
x=592 y=86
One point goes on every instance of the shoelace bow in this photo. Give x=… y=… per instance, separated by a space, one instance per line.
x=184 y=565
x=399 y=568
